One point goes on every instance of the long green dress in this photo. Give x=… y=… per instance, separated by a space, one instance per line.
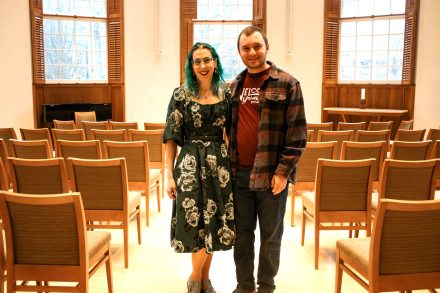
x=203 y=212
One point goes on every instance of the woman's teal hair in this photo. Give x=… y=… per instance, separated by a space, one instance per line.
x=191 y=79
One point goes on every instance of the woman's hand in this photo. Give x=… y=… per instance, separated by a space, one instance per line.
x=171 y=189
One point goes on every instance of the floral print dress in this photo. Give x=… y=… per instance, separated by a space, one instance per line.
x=203 y=212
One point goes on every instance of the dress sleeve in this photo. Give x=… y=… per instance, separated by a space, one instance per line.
x=174 y=129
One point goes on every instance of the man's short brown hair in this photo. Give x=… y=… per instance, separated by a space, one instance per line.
x=247 y=31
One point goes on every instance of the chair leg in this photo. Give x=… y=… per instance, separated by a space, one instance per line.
x=339 y=271
x=108 y=268
x=147 y=207
x=126 y=244
x=158 y=197
x=138 y=222
x=292 y=206
x=303 y=226
x=316 y=245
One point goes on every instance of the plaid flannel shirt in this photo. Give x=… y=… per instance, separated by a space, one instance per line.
x=282 y=130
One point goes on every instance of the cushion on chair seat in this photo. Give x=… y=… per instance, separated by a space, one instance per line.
x=357 y=250
x=309 y=201
x=154 y=173
x=134 y=200
x=96 y=240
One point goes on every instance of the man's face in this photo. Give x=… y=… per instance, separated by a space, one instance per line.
x=253 y=51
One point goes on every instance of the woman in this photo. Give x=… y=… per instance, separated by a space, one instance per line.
x=200 y=181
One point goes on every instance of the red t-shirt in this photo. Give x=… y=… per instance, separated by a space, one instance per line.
x=249 y=118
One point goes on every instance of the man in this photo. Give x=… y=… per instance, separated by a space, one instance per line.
x=268 y=135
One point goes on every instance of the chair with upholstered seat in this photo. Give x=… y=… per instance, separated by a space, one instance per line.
x=89 y=125
x=31 y=149
x=47 y=242
x=156 y=149
x=403 y=253
x=104 y=191
x=410 y=150
x=154 y=126
x=380 y=125
x=36 y=134
x=66 y=134
x=45 y=176
x=410 y=135
x=110 y=135
x=318 y=126
x=373 y=135
x=123 y=125
x=342 y=195
x=64 y=124
x=87 y=149
x=338 y=136
x=80 y=117
x=140 y=176
x=306 y=169
x=7 y=134
x=406 y=124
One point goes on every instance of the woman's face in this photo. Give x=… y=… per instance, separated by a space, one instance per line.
x=203 y=65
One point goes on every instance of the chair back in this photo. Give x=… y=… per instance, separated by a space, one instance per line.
x=64 y=124
x=339 y=136
x=435 y=153
x=352 y=150
x=306 y=167
x=433 y=134
x=155 y=145
x=123 y=125
x=408 y=180
x=406 y=124
x=80 y=117
x=36 y=134
x=89 y=125
x=45 y=176
x=318 y=126
x=379 y=125
x=31 y=149
x=102 y=183
x=87 y=149
x=410 y=150
x=355 y=126
x=7 y=134
x=4 y=154
x=373 y=135
x=410 y=135
x=405 y=246
x=4 y=182
x=154 y=126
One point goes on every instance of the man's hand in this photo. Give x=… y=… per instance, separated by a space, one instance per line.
x=278 y=183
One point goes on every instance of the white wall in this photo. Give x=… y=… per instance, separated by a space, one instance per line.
x=150 y=78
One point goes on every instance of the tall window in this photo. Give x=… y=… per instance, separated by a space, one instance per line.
x=75 y=40
x=371 y=41
x=219 y=23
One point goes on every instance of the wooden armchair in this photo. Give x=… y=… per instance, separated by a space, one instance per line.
x=402 y=254
x=104 y=191
x=80 y=117
x=380 y=125
x=64 y=124
x=140 y=176
x=46 y=240
x=31 y=149
x=318 y=126
x=45 y=176
x=410 y=150
x=89 y=125
x=123 y=125
x=306 y=169
x=410 y=135
x=342 y=195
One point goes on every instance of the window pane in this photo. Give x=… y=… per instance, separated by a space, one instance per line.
x=380 y=43
x=396 y=42
x=348 y=28
x=90 y=8
x=380 y=27
x=397 y=26
x=379 y=73
x=397 y=6
x=347 y=59
x=347 y=73
x=349 y=8
x=364 y=28
x=382 y=7
x=380 y=58
x=364 y=43
x=224 y=9
x=348 y=44
x=363 y=8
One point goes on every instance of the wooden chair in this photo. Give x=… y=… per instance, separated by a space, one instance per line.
x=410 y=135
x=46 y=176
x=110 y=135
x=355 y=126
x=306 y=169
x=7 y=134
x=342 y=194
x=156 y=149
x=140 y=176
x=309 y=135
x=402 y=254
x=380 y=125
x=407 y=180
x=80 y=117
x=318 y=126
x=66 y=134
x=154 y=126
x=435 y=154
x=104 y=191
x=123 y=125
x=89 y=125
x=87 y=149
x=339 y=136
x=433 y=134
x=4 y=185
x=36 y=134
x=373 y=135
x=64 y=124
x=46 y=240
x=366 y=150
x=4 y=154
x=410 y=150
x=31 y=149
x=406 y=124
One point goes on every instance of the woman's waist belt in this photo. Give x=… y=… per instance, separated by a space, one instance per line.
x=205 y=138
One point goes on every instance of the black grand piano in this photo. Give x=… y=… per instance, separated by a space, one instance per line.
x=67 y=111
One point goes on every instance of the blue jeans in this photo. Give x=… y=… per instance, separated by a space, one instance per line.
x=269 y=209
